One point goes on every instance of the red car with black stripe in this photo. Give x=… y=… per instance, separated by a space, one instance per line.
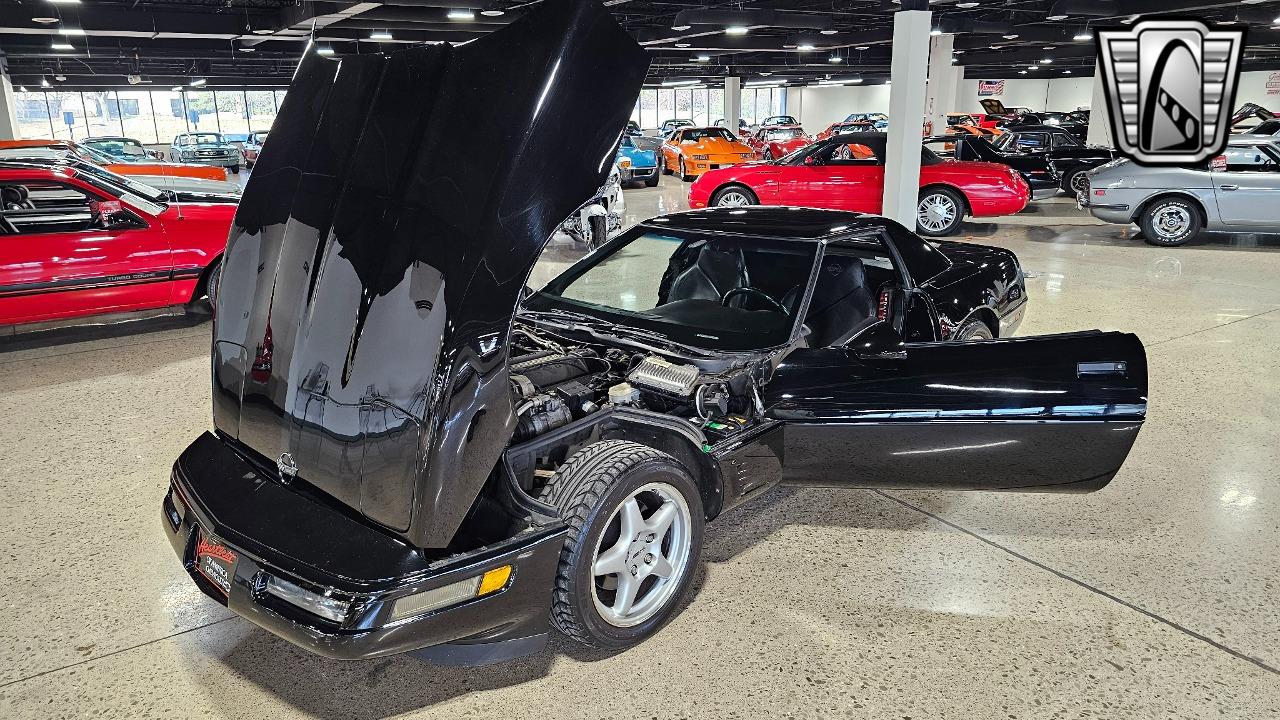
x=77 y=240
x=846 y=172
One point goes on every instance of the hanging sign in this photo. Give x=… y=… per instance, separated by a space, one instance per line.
x=1273 y=83
x=989 y=88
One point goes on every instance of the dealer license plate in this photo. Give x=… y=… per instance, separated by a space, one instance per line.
x=215 y=561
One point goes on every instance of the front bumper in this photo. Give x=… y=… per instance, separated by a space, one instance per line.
x=276 y=532
x=714 y=162
x=230 y=161
x=635 y=174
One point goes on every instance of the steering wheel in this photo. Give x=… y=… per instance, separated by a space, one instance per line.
x=774 y=305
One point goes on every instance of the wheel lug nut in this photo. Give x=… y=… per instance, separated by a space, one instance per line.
x=648 y=558
x=635 y=570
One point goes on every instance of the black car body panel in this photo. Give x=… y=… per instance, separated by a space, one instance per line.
x=1038 y=148
x=380 y=249
x=1034 y=168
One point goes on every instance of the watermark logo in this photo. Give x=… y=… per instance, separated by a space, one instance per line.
x=1170 y=87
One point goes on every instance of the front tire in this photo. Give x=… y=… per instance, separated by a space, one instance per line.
x=597 y=231
x=973 y=330
x=635 y=533
x=939 y=212
x=1075 y=182
x=1170 y=222
x=683 y=176
x=733 y=196
x=652 y=181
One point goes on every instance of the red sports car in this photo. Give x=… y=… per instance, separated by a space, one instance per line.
x=846 y=126
x=839 y=175
x=78 y=240
x=774 y=141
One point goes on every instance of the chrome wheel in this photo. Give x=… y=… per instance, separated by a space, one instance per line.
x=642 y=556
x=1171 y=222
x=733 y=198
x=936 y=213
x=1080 y=183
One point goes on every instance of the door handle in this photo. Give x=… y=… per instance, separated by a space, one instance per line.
x=1228 y=187
x=1102 y=367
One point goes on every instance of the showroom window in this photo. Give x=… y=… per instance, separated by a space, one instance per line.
x=759 y=103
x=701 y=105
x=152 y=117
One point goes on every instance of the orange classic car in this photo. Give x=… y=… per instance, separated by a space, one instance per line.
x=691 y=151
x=147 y=168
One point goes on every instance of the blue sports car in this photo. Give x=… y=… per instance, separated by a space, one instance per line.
x=637 y=164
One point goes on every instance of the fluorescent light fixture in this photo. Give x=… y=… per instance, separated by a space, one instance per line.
x=834 y=59
x=262 y=31
x=493 y=12
x=681 y=27
x=678 y=83
x=45 y=20
x=1058 y=16
x=1047 y=61
x=247 y=48
x=1010 y=36
x=198 y=82
x=1082 y=36
x=966 y=5
x=735 y=30
x=862 y=47
x=1033 y=67
x=65 y=2
x=324 y=50
x=460 y=14
x=176 y=89
x=831 y=82
x=379 y=35
x=935 y=32
x=22 y=88
x=1022 y=72
x=70 y=31
x=1066 y=72
x=62 y=46
x=703 y=58
x=805 y=47
x=683 y=44
x=955 y=60
x=828 y=31
x=44 y=82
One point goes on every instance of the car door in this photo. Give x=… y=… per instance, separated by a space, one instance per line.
x=839 y=176
x=1248 y=190
x=1051 y=413
x=58 y=260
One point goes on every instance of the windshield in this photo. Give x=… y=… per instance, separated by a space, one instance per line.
x=728 y=294
x=705 y=134
x=115 y=184
x=118 y=148
x=784 y=134
x=199 y=139
x=780 y=120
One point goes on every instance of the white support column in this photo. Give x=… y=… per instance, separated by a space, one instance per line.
x=940 y=95
x=910 y=65
x=732 y=102
x=795 y=105
x=1099 y=114
x=8 y=112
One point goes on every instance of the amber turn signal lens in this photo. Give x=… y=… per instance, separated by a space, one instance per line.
x=494 y=580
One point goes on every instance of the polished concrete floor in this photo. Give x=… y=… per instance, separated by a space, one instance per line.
x=1153 y=598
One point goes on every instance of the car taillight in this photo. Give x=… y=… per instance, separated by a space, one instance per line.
x=882 y=306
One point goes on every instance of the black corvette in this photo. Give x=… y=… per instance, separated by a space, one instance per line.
x=1046 y=155
x=414 y=452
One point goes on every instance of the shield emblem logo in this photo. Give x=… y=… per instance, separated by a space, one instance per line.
x=1170 y=86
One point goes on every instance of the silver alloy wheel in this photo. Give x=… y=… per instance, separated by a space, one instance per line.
x=1080 y=182
x=936 y=212
x=643 y=567
x=733 y=198
x=1172 y=221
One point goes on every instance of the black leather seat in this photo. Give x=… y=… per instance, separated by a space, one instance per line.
x=841 y=302
x=26 y=197
x=717 y=270
x=11 y=197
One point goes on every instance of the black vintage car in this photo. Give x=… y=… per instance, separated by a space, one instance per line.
x=413 y=452
x=1069 y=158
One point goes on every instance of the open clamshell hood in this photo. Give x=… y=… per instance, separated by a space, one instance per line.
x=381 y=246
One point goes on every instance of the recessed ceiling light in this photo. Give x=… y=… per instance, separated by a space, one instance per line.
x=1022 y=72
x=935 y=31
x=1033 y=67
x=834 y=59
x=735 y=30
x=1082 y=35
x=862 y=47
x=44 y=82
x=1010 y=36
x=1049 y=47
x=71 y=31
x=1066 y=72
x=44 y=20
x=1046 y=61
x=681 y=27
x=828 y=31
x=493 y=12
x=22 y=88
x=176 y=89
x=703 y=58
x=324 y=50
x=63 y=46
x=955 y=60
x=966 y=5
x=247 y=48
x=766 y=74
x=198 y=82
x=683 y=45
x=957 y=52
x=804 y=47
x=1059 y=16
x=380 y=35
x=262 y=31
x=460 y=14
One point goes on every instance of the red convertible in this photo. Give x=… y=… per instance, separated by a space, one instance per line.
x=774 y=141
x=846 y=172
x=77 y=240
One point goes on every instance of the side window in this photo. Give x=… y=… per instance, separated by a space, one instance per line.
x=41 y=206
x=1063 y=140
x=849 y=154
x=1031 y=141
x=1249 y=158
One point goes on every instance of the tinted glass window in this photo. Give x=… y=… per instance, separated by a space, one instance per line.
x=1249 y=158
x=706 y=133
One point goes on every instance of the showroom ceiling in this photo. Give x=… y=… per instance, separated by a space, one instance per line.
x=257 y=42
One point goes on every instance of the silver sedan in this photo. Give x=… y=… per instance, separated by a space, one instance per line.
x=1237 y=191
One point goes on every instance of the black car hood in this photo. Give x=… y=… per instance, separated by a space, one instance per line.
x=381 y=245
